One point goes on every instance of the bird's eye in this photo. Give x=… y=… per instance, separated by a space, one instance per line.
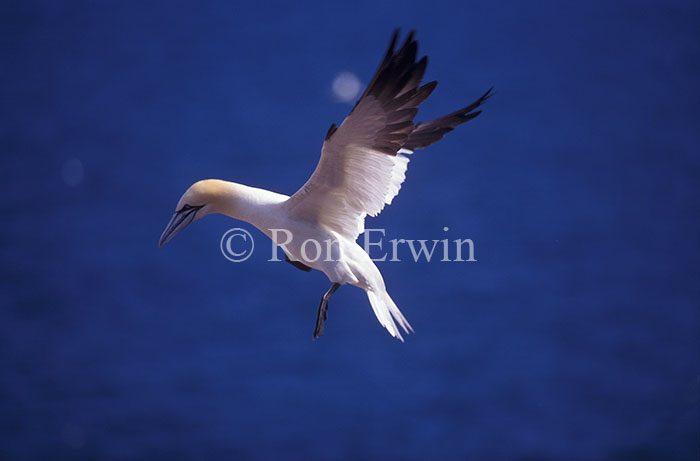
x=185 y=207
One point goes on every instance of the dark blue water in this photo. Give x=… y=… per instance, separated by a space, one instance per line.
x=574 y=335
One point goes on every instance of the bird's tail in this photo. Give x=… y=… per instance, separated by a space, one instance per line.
x=387 y=313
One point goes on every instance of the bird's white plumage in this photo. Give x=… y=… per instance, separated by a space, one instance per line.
x=362 y=166
x=352 y=179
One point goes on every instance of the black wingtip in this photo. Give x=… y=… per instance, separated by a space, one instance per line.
x=410 y=37
x=430 y=132
x=392 y=42
x=330 y=131
x=484 y=97
x=487 y=95
x=430 y=85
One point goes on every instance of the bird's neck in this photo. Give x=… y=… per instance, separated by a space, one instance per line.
x=249 y=204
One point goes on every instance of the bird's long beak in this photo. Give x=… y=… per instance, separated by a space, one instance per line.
x=179 y=221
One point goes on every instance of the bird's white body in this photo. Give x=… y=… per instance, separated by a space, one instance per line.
x=363 y=164
x=341 y=259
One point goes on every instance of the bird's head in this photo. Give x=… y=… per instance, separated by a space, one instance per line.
x=199 y=200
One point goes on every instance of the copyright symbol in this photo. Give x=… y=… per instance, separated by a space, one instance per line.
x=237 y=245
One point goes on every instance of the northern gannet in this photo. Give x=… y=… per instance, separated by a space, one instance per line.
x=362 y=166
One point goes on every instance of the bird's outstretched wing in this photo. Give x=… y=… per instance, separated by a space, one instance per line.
x=363 y=161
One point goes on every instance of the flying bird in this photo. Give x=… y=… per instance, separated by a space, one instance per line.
x=362 y=166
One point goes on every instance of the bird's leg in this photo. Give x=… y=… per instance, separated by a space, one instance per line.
x=297 y=264
x=323 y=310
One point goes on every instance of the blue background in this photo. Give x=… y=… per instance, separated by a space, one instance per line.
x=574 y=335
